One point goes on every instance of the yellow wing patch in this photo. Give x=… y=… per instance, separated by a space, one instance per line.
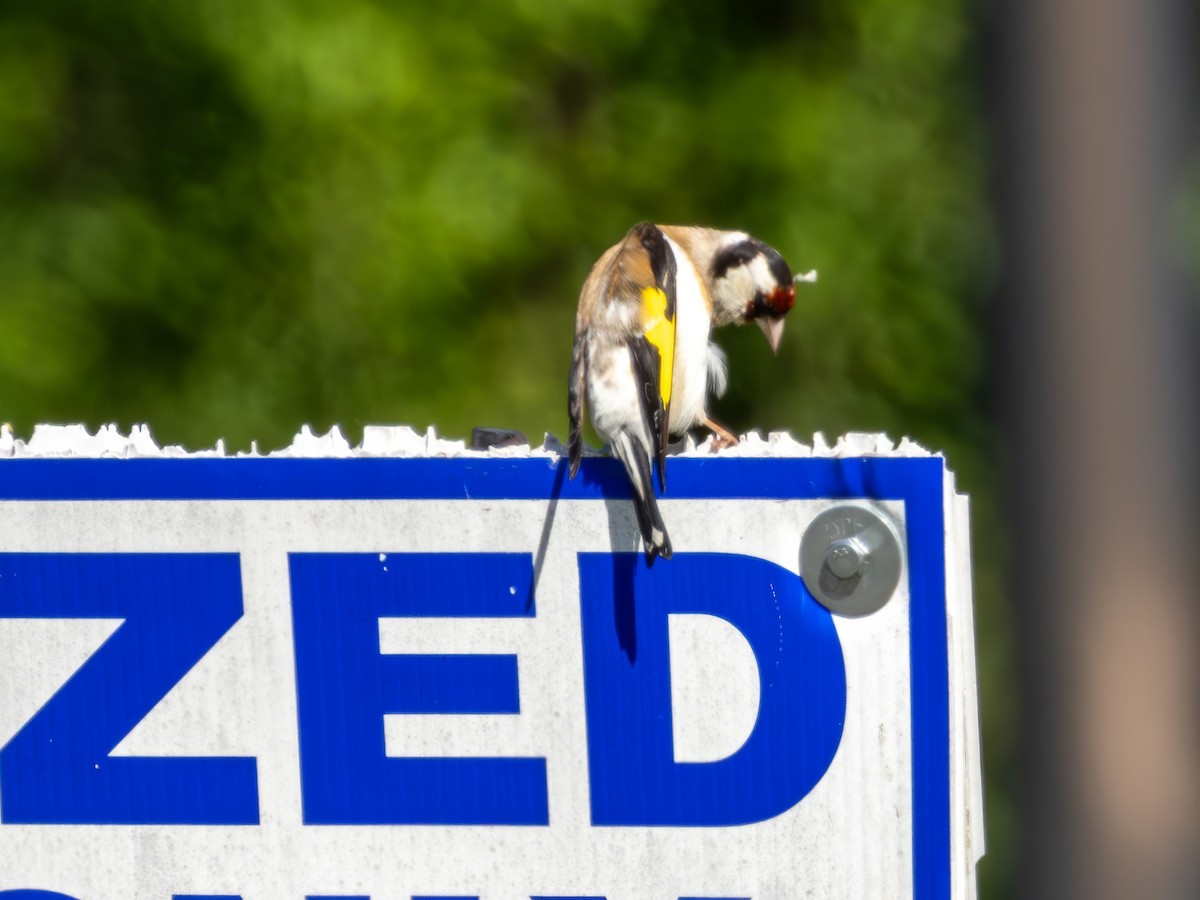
x=660 y=332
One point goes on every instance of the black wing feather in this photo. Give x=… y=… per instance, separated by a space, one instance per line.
x=646 y=367
x=665 y=269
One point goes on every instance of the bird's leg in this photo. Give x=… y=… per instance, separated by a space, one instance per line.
x=722 y=436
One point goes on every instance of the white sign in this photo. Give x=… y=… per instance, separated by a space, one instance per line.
x=384 y=678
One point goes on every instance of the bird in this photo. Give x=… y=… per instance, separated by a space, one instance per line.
x=642 y=362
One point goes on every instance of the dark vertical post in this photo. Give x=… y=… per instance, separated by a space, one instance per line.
x=1100 y=395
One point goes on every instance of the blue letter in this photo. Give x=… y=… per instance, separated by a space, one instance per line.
x=634 y=777
x=346 y=687
x=57 y=770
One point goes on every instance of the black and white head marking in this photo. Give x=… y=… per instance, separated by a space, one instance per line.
x=750 y=280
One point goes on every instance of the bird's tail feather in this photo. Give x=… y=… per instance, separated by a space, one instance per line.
x=636 y=459
x=576 y=396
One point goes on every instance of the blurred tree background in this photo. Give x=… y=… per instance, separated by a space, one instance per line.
x=226 y=219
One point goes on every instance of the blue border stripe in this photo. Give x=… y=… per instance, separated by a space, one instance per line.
x=930 y=684
x=426 y=479
x=917 y=482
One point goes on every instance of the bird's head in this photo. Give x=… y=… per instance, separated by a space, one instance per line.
x=750 y=282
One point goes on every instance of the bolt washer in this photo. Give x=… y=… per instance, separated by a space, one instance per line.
x=850 y=560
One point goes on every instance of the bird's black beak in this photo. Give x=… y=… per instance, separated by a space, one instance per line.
x=772 y=327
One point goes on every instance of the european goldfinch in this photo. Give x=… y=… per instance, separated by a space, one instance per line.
x=642 y=356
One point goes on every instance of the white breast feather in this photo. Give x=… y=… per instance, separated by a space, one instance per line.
x=718 y=371
x=693 y=324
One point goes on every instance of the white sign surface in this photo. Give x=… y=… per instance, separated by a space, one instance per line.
x=449 y=678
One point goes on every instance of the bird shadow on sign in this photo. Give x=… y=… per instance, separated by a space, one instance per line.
x=624 y=541
x=623 y=537
x=539 y=559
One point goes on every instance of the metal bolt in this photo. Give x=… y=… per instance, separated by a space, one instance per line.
x=850 y=559
x=847 y=558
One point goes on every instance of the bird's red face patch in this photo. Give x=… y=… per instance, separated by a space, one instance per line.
x=782 y=299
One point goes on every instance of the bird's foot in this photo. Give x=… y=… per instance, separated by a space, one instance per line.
x=722 y=436
x=723 y=441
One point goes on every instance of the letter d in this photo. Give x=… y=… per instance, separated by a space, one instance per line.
x=634 y=777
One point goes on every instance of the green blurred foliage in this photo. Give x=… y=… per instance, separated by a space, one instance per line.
x=226 y=219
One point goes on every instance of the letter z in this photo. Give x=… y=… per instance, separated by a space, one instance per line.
x=175 y=607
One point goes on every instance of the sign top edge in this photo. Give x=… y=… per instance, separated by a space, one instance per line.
x=401 y=441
